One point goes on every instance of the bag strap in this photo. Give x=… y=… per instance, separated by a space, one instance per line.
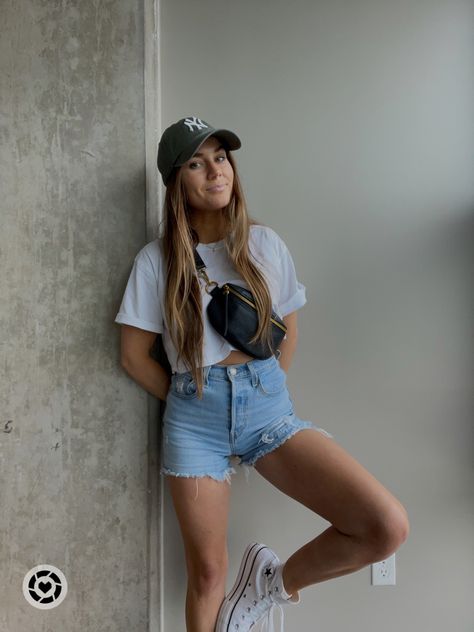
x=200 y=265
x=198 y=260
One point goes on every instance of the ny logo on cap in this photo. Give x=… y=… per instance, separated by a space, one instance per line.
x=191 y=122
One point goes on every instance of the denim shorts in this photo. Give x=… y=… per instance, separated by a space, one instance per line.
x=246 y=411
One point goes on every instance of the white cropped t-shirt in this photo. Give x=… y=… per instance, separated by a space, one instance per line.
x=143 y=300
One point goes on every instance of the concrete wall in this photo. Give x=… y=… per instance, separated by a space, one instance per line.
x=357 y=127
x=73 y=426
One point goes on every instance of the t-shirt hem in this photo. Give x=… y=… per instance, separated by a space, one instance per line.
x=212 y=361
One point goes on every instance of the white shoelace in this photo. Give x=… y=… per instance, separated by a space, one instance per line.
x=269 y=621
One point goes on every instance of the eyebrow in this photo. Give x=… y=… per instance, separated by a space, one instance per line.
x=198 y=154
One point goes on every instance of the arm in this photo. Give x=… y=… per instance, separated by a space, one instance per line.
x=135 y=359
x=288 y=345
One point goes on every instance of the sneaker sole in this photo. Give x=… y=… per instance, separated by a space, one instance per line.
x=245 y=569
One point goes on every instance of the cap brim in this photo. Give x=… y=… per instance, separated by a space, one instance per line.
x=232 y=141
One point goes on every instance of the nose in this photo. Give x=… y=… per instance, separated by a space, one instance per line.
x=214 y=169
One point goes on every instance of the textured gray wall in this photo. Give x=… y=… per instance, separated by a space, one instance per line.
x=74 y=456
x=357 y=126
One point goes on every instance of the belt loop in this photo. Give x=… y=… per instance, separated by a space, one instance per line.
x=206 y=374
x=251 y=367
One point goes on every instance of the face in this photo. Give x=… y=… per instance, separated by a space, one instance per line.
x=208 y=177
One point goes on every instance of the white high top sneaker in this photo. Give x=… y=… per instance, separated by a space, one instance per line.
x=258 y=591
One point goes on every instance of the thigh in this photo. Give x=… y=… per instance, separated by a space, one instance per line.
x=202 y=508
x=317 y=472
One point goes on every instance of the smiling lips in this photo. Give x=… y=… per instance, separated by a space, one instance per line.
x=217 y=188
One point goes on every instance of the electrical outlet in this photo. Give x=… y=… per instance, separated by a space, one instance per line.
x=383 y=572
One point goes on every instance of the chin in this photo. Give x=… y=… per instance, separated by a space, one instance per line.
x=220 y=200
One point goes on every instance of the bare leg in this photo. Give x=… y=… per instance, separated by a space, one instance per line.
x=203 y=522
x=367 y=522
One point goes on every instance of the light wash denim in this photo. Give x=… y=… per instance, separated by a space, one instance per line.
x=246 y=411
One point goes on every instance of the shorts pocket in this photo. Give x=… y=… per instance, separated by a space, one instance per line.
x=183 y=385
x=272 y=382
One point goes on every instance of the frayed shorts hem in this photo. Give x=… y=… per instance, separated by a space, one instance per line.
x=302 y=425
x=248 y=464
x=224 y=476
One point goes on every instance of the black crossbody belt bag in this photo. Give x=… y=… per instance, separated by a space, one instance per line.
x=233 y=314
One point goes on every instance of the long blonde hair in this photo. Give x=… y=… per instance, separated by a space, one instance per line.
x=183 y=307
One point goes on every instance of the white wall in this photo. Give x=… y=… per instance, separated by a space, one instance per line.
x=356 y=122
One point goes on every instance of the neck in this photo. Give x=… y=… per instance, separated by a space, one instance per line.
x=209 y=226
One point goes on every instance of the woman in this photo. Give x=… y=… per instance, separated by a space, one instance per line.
x=222 y=402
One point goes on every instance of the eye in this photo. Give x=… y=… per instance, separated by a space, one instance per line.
x=219 y=158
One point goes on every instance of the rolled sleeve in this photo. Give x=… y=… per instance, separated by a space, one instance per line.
x=140 y=305
x=297 y=300
x=292 y=292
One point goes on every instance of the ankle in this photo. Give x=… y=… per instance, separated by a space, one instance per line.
x=286 y=581
x=287 y=591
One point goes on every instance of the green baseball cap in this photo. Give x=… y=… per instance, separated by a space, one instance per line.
x=181 y=140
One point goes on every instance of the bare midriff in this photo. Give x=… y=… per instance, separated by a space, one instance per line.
x=236 y=357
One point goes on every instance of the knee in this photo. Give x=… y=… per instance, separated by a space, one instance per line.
x=207 y=575
x=387 y=532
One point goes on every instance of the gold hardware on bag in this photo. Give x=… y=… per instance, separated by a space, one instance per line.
x=228 y=289
x=208 y=282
